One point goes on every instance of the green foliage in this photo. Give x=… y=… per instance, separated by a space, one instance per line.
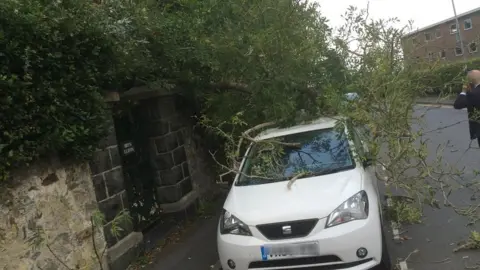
x=473 y=242
x=277 y=49
x=403 y=212
x=230 y=56
x=445 y=79
x=54 y=63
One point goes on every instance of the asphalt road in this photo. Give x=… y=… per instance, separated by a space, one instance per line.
x=430 y=244
x=441 y=229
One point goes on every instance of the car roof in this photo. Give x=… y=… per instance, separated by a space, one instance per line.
x=320 y=123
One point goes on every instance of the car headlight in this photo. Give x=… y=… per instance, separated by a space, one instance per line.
x=230 y=224
x=355 y=208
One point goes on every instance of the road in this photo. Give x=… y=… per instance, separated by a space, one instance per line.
x=442 y=229
x=433 y=240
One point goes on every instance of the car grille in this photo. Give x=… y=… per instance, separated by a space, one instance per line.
x=298 y=262
x=298 y=228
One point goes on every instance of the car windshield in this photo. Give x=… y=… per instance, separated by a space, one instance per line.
x=299 y=155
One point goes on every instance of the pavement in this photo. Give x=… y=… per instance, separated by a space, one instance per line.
x=196 y=247
x=436 y=100
x=425 y=246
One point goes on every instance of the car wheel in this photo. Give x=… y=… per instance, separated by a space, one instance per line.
x=386 y=262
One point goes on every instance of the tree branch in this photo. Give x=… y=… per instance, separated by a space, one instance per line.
x=240 y=87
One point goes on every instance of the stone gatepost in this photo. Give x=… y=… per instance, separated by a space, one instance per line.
x=107 y=176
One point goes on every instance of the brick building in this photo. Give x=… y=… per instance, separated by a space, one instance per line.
x=440 y=41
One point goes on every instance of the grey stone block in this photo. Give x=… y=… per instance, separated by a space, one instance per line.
x=168 y=194
x=125 y=252
x=186 y=169
x=179 y=155
x=110 y=140
x=111 y=207
x=100 y=162
x=99 y=186
x=125 y=201
x=169 y=177
x=186 y=186
x=176 y=123
x=115 y=155
x=161 y=108
x=163 y=162
x=173 y=193
x=180 y=138
x=158 y=128
x=166 y=143
x=114 y=181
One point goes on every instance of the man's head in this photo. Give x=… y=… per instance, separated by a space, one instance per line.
x=473 y=76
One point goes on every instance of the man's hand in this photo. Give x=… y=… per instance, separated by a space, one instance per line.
x=466 y=88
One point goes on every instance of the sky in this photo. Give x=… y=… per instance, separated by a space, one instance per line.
x=422 y=12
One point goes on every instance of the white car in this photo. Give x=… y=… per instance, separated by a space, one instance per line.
x=329 y=219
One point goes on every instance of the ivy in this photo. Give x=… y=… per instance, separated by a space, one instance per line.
x=54 y=65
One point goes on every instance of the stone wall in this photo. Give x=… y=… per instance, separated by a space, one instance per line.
x=107 y=175
x=47 y=207
x=108 y=180
x=167 y=151
x=46 y=212
x=199 y=161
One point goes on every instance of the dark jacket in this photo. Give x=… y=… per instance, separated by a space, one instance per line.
x=471 y=101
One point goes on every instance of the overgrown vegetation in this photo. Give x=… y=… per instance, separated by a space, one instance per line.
x=58 y=57
x=403 y=211
x=445 y=79
x=53 y=66
x=248 y=64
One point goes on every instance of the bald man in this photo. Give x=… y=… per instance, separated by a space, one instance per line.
x=470 y=98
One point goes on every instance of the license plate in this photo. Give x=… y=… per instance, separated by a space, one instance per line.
x=297 y=249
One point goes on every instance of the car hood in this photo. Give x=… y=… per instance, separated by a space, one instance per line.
x=314 y=197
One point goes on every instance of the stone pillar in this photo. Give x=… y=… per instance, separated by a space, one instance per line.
x=174 y=189
x=107 y=175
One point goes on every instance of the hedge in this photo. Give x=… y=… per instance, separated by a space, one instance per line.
x=54 y=64
x=445 y=79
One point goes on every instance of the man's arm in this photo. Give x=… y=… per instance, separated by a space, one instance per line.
x=461 y=101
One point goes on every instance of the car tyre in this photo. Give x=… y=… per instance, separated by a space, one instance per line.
x=386 y=262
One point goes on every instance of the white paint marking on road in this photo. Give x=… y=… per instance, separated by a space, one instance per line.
x=403 y=265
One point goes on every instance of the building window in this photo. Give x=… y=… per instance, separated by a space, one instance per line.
x=442 y=54
x=467 y=24
x=438 y=33
x=458 y=51
x=472 y=47
x=428 y=36
x=453 y=28
x=414 y=41
x=431 y=56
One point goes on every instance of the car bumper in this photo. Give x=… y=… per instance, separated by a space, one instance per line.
x=337 y=246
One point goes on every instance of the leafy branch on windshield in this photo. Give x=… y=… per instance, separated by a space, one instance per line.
x=388 y=81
